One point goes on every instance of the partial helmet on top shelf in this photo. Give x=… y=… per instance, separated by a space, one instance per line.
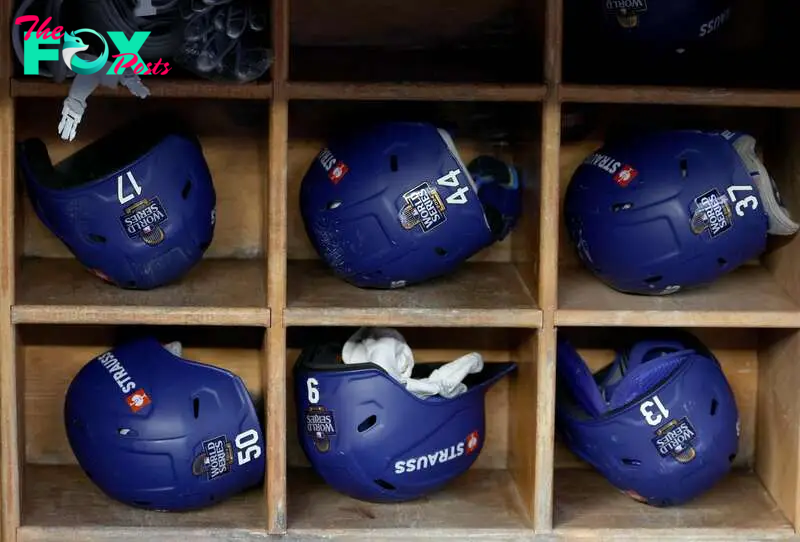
x=672 y=25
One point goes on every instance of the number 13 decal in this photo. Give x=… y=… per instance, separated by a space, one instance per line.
x=247 y=447
x=650 y=417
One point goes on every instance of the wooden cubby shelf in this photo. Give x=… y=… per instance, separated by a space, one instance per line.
x=525 y=80
x=53 y=291
x=159 y=88
x=754 y=502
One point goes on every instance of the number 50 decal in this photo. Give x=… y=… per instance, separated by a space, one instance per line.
x=247 y=447
x=748 y=201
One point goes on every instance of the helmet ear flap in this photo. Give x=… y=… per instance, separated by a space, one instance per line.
x=500 y=192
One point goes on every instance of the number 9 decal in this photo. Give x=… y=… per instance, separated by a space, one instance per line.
x=247 y=447
x=313 y=391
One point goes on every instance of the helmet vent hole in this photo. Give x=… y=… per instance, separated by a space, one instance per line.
x=333 y=204
x=440 y=251
x=143 y=504
x=714 y=405
x=367 y=423
x=95 y=238
x=684 y=168
x=631 y=462
x=393 y=162
x=196 y=407
x=385 y=485
x=186 y=189
x=617 y=207
x=722 y=262
x=653 y=280
x=126 y=432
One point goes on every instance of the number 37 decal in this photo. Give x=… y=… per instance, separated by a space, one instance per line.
x=746 y=202
x=654 y=411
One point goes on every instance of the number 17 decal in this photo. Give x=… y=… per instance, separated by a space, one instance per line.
x=137 y=190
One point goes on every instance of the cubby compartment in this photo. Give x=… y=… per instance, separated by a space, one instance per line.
x=58 y=501
x=740 y=49
x=247 y=47
x=416 y=42
x=228 y=286
x=762 y=293
x=498 y=284
x=756 y=501
x=494 y=496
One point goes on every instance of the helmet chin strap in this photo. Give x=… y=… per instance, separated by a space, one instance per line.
x=780 y=222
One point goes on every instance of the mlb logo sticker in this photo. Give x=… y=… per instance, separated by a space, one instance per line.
x=624 y=176
x=472 y=442
x=138 y=400
x=337 y=172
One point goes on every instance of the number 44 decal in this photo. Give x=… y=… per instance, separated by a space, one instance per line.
x=459 y=197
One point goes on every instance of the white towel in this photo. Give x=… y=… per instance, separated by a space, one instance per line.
x=388 y=349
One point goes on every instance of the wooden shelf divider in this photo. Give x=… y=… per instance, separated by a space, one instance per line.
x=532 y=298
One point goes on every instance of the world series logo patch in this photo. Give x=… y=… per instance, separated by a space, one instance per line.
x=216 y=458
x=627 y=11
x=320 y=426
x=423 y=207
x=675 y=439
x=712 y=213
x=143 y=219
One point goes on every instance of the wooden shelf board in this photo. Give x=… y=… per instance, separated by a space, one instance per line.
x=738 y=508
x=459 y=65
x=61 y=503
x=747 y=297
x=480 y=502
x=35 y=87
x=704 y=96
x=477 y=295
x=302 y=90
x=54 y=291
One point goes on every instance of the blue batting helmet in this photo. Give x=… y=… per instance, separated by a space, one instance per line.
x=394 y=205
x=676 y=23
x=157 y=431
x=370 y=438
x=136 y=207
x=670 y=210
x=660 y=422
